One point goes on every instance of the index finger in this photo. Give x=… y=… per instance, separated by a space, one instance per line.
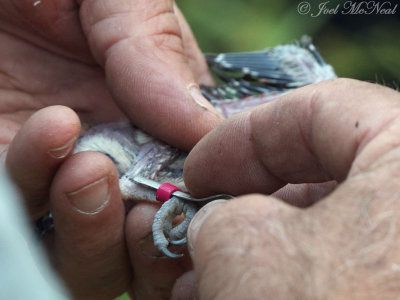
x=317 y=133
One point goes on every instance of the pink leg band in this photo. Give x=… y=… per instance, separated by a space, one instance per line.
x=165 y=191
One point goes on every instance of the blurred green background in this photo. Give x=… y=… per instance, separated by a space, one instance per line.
x=359 y=46
x=363 y=46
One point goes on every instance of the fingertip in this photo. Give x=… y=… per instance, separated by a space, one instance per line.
x=89 y=221
x=198 y=220
x=201 y=101
x=48 y=133
x=86 y=203
x=45 y=140
x=224 y=162
x=233 y=240
x=60 y=118
x=223 y=223
x=202 y=117
x=85 y=185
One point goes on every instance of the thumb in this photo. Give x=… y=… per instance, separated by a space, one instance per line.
x=235 y=245
x=140 y=44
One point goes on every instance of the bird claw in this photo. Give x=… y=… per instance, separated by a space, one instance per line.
x=162 y=225
x=170 y=254
x=178 y=242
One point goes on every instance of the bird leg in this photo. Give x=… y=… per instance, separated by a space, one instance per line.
x=164 y=234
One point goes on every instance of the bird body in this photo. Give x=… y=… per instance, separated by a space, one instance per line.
x=244 y=80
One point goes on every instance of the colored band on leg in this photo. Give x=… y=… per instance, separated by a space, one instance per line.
x=165 y=191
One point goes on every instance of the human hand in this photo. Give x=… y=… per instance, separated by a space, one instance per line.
x=344 y=246
x=75 y=54
x=140 y=52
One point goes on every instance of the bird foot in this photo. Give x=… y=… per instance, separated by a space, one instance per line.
x=164 y=233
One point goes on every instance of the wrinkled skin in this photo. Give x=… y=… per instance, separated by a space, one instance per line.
x=345 y=246
x=105 y=60
x=48 y=58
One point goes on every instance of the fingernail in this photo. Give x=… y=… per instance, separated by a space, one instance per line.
x=195 y=93
x=62 y=151
x=198 y=220
x=92 y=198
